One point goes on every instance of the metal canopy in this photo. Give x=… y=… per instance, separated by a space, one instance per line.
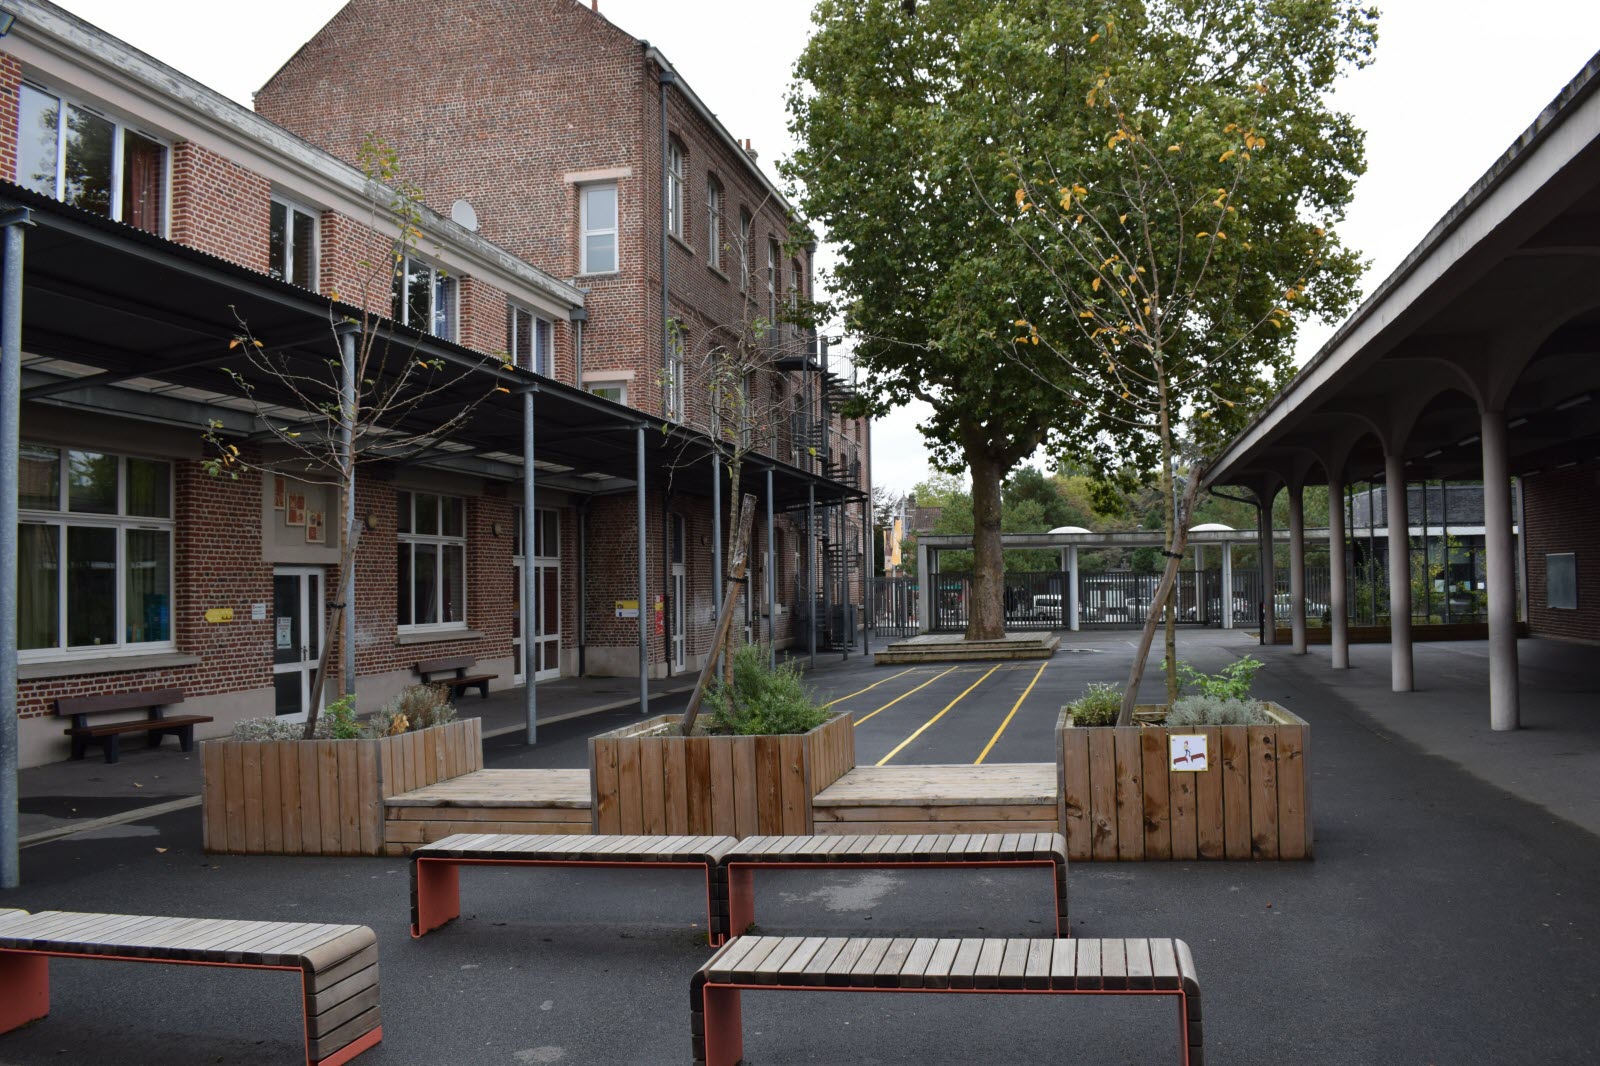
x=117 y=318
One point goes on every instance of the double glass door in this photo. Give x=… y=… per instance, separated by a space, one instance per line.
x=298 y=632
x=545 y=623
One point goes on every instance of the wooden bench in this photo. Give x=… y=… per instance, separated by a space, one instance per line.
x=436 y=881
x=905 y=964
x=911 y=850
x=459 y=680
x=80 y=708
x=338 y=966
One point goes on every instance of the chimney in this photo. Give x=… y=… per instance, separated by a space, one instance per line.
x=594 y=5
x=749 y=151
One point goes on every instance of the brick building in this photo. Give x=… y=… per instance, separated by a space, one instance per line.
x=165 y=222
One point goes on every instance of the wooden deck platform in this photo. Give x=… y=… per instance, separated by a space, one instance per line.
x=1002 y=798
x=488 y=801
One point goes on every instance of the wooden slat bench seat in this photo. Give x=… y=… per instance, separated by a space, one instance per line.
x=108 y=735
x=458 y=679
x=338 y=965
x=907 y=964
x=905 y=850
x=436 y=880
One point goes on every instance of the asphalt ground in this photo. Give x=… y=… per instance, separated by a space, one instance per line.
x=1443 y=920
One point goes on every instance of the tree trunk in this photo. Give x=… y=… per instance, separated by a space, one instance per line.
x=747 y=517
x=347 y=558
x=986 y=611
x=1169 y=579
x=1170 y=604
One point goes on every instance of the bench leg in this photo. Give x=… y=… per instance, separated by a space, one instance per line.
x=80 y=747
x=350 y=1050
x=741 y=898
x=436 y=892
x=113 y=745
x=24 y=989
x=186 y=738
x=724 y=1027
x=483 y=689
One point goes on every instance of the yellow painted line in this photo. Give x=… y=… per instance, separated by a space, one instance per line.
x=990 y=746
x=869 y=688
x=935 y=718
x=903 y=695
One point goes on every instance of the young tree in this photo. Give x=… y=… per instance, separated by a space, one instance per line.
x=1181 y=204
x=328 y=420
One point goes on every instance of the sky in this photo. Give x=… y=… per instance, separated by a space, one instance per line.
x=1453 y=84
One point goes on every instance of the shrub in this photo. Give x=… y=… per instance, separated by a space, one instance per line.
x=274 y=728
x=1099 y=705
x=1232 y=682
x=1214 y=710
x=417 y=707
x=340 y=717
x=762 y=700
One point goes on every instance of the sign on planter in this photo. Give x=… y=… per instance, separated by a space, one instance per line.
x=1187 y=751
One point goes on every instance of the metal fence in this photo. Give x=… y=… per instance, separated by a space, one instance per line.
x=894 y=606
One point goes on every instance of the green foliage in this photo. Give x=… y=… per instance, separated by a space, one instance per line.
x=1232 y=682
x=340 y=719
x=1216 y=710
x=762 y=700
x=1098 y=705
x=337 y=722
x=417 y=707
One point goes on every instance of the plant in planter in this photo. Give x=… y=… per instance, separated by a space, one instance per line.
x=1099 y=705
x=1213 y=710
x=762 y=699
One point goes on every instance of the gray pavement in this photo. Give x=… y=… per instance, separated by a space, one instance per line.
x=1445 y=919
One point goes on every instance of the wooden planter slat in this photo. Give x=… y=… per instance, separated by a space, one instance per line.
x=714 y=785
x=1119 y=800
x=322 y=797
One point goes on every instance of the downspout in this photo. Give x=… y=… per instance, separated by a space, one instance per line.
x=583 y=578
x=666 y=78
x=578 y=317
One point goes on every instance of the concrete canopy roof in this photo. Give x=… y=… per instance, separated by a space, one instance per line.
x=1497 y=310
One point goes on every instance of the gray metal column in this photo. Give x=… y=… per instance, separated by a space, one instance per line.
x=868 y=571
x=811 y=573
x=1075 y=609
x=1504 y=699
x=347 y=401
x=530 y=576
x=1227 y=584
x=644 y=631
x=772 y=583
x=1394 y=491
x=10 y=459
x=1269 y=569
x=1297 y=567
x=924 y=591
x=583 y=587
x=1338 y=608
x=716 y=540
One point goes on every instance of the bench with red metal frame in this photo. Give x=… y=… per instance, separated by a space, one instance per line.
x=338 y=965
x=910 y=850
x=458 y=680
x=905 y=964
x=436 y=878
x=155 y=722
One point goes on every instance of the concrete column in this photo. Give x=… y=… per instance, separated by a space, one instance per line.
x=1074 y=610
x=1297 y=567
x=1269 y=576
x=1227 y=584
x=1394 y=484
x=924 y=590
x=1504 y=704
x=1338 y=609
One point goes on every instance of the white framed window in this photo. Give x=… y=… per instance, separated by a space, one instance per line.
x=615 y=391
x=530 y=340
x=293 y=244
x=431 y=568
x=713 y=222
x=672 y=387
x=94 y=553
x=744 y=250
x=675 y=189
x=424 y=297
x=86 y=158
x=772 y=287
x=796 y=294
x=597 y=224
x=546 y=534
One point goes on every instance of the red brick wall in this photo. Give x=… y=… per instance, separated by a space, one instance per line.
x=10 y=81
x=219 y=206
x=1560 y=515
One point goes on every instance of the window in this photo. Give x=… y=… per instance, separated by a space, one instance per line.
x=94 y=560
x=83 y=158
x=531 y=341
x=597 y=218
x=713 y=222
x=293 y=245
x=615 y=391
x=744 y=250
x=432 y=567
x=672 y=387
x=796 y=293
x=424 y=298
x=772 y=287
x=675 y=189
x=546 y=534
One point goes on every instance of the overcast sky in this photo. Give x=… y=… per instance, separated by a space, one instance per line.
x=1454 y=83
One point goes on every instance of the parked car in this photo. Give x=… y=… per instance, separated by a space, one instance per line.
x=1281 y=604
x=1047 y=607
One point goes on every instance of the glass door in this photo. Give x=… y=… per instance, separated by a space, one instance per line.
x=298 y=632
x=680 y=645
x=545 y=621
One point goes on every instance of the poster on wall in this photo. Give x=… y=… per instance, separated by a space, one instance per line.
x=280 y=492
x=295 y=513
x=315 y=525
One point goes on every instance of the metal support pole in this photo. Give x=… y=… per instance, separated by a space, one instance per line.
x=583 y=587
x=1297 y=567
x=644 y=631
x=1444 y=543
x=1394 y=483
x=716 y=549
x=1075 y=609
x=924 y=590
x=772 y=583
x=1269 y=569
x=10 y=460
x=868 y=571
x=530 y=576
x=1504 y=699
x=811 y=575
x=1227 y=584
x=1338 y=609
x=347 y=413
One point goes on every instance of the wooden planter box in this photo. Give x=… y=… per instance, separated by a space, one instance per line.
x=322 y=797
x=1119 y=802
x=734 y=786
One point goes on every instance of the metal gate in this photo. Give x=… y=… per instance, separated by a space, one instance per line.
x=894 y=606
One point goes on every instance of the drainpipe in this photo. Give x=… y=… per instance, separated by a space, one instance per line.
x=578 y=317
x=583 y=580
x=666 y=78
x=530 y=575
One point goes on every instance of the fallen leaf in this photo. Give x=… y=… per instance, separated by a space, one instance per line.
x=161 y=851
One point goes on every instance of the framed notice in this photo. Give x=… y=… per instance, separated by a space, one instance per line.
x=627 y=608
x=316 y=527
x=1561 y=581
x=295 y=513
x=1187 y=751
x=280 y=492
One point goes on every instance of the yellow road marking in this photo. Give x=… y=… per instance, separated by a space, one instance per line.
x=869 y=688
x=936 y=717
x=903 y=695
x=989 y=746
